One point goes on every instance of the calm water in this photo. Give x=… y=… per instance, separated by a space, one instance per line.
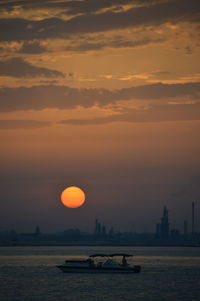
x=29 y=274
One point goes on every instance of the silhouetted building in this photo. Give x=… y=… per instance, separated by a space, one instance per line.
x=111 y=233
x=72 y=234
x=37 y=230
x=97 y=230
x=103 y=231
x=164 y=227
x=175 y=234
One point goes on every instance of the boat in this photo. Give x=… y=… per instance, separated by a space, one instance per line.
x=101 y=263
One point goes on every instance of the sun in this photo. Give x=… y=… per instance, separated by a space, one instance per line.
x=73 y=197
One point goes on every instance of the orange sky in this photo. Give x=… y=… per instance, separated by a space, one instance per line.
x=103 y=94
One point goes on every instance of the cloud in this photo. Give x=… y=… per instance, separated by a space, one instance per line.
x=154 y=114
x=160 y=91
x=72 y=7
x=150 y=15
x=114 y=43
x=32 y=47
x=17 y=67
x=51 y=96
x=23 y=124
x=63 y=97
x=90 y=6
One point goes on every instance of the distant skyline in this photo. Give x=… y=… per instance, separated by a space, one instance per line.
x=162 y=226
x=104 y=95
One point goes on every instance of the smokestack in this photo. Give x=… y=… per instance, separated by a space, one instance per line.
x=192 y=217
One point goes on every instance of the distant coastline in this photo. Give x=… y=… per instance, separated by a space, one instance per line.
x=102 y=243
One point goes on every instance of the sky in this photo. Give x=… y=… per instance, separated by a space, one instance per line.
x=104 y=95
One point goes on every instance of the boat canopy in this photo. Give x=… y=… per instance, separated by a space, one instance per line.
x=111 y=255
x=99 y=255
x=121 y=254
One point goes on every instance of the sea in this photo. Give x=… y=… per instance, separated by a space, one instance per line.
x=30 y=274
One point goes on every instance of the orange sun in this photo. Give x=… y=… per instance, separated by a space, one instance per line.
x=73 y=197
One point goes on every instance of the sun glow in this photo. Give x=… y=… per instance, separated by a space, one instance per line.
x=73 y=197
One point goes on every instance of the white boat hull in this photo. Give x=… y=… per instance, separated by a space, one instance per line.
x=99 y=270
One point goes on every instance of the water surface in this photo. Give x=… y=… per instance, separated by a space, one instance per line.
x=168 y=274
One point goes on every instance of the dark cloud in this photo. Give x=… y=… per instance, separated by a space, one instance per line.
x=154 y=114
x=51 y=96
x=63 y=97
x=17 y=67
x=23 y=124
x=32 y=47
x=114 y=43
x=90 y=6
x=72 y=7
x=160 y=91
x=150 y=15
x=49 y=82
